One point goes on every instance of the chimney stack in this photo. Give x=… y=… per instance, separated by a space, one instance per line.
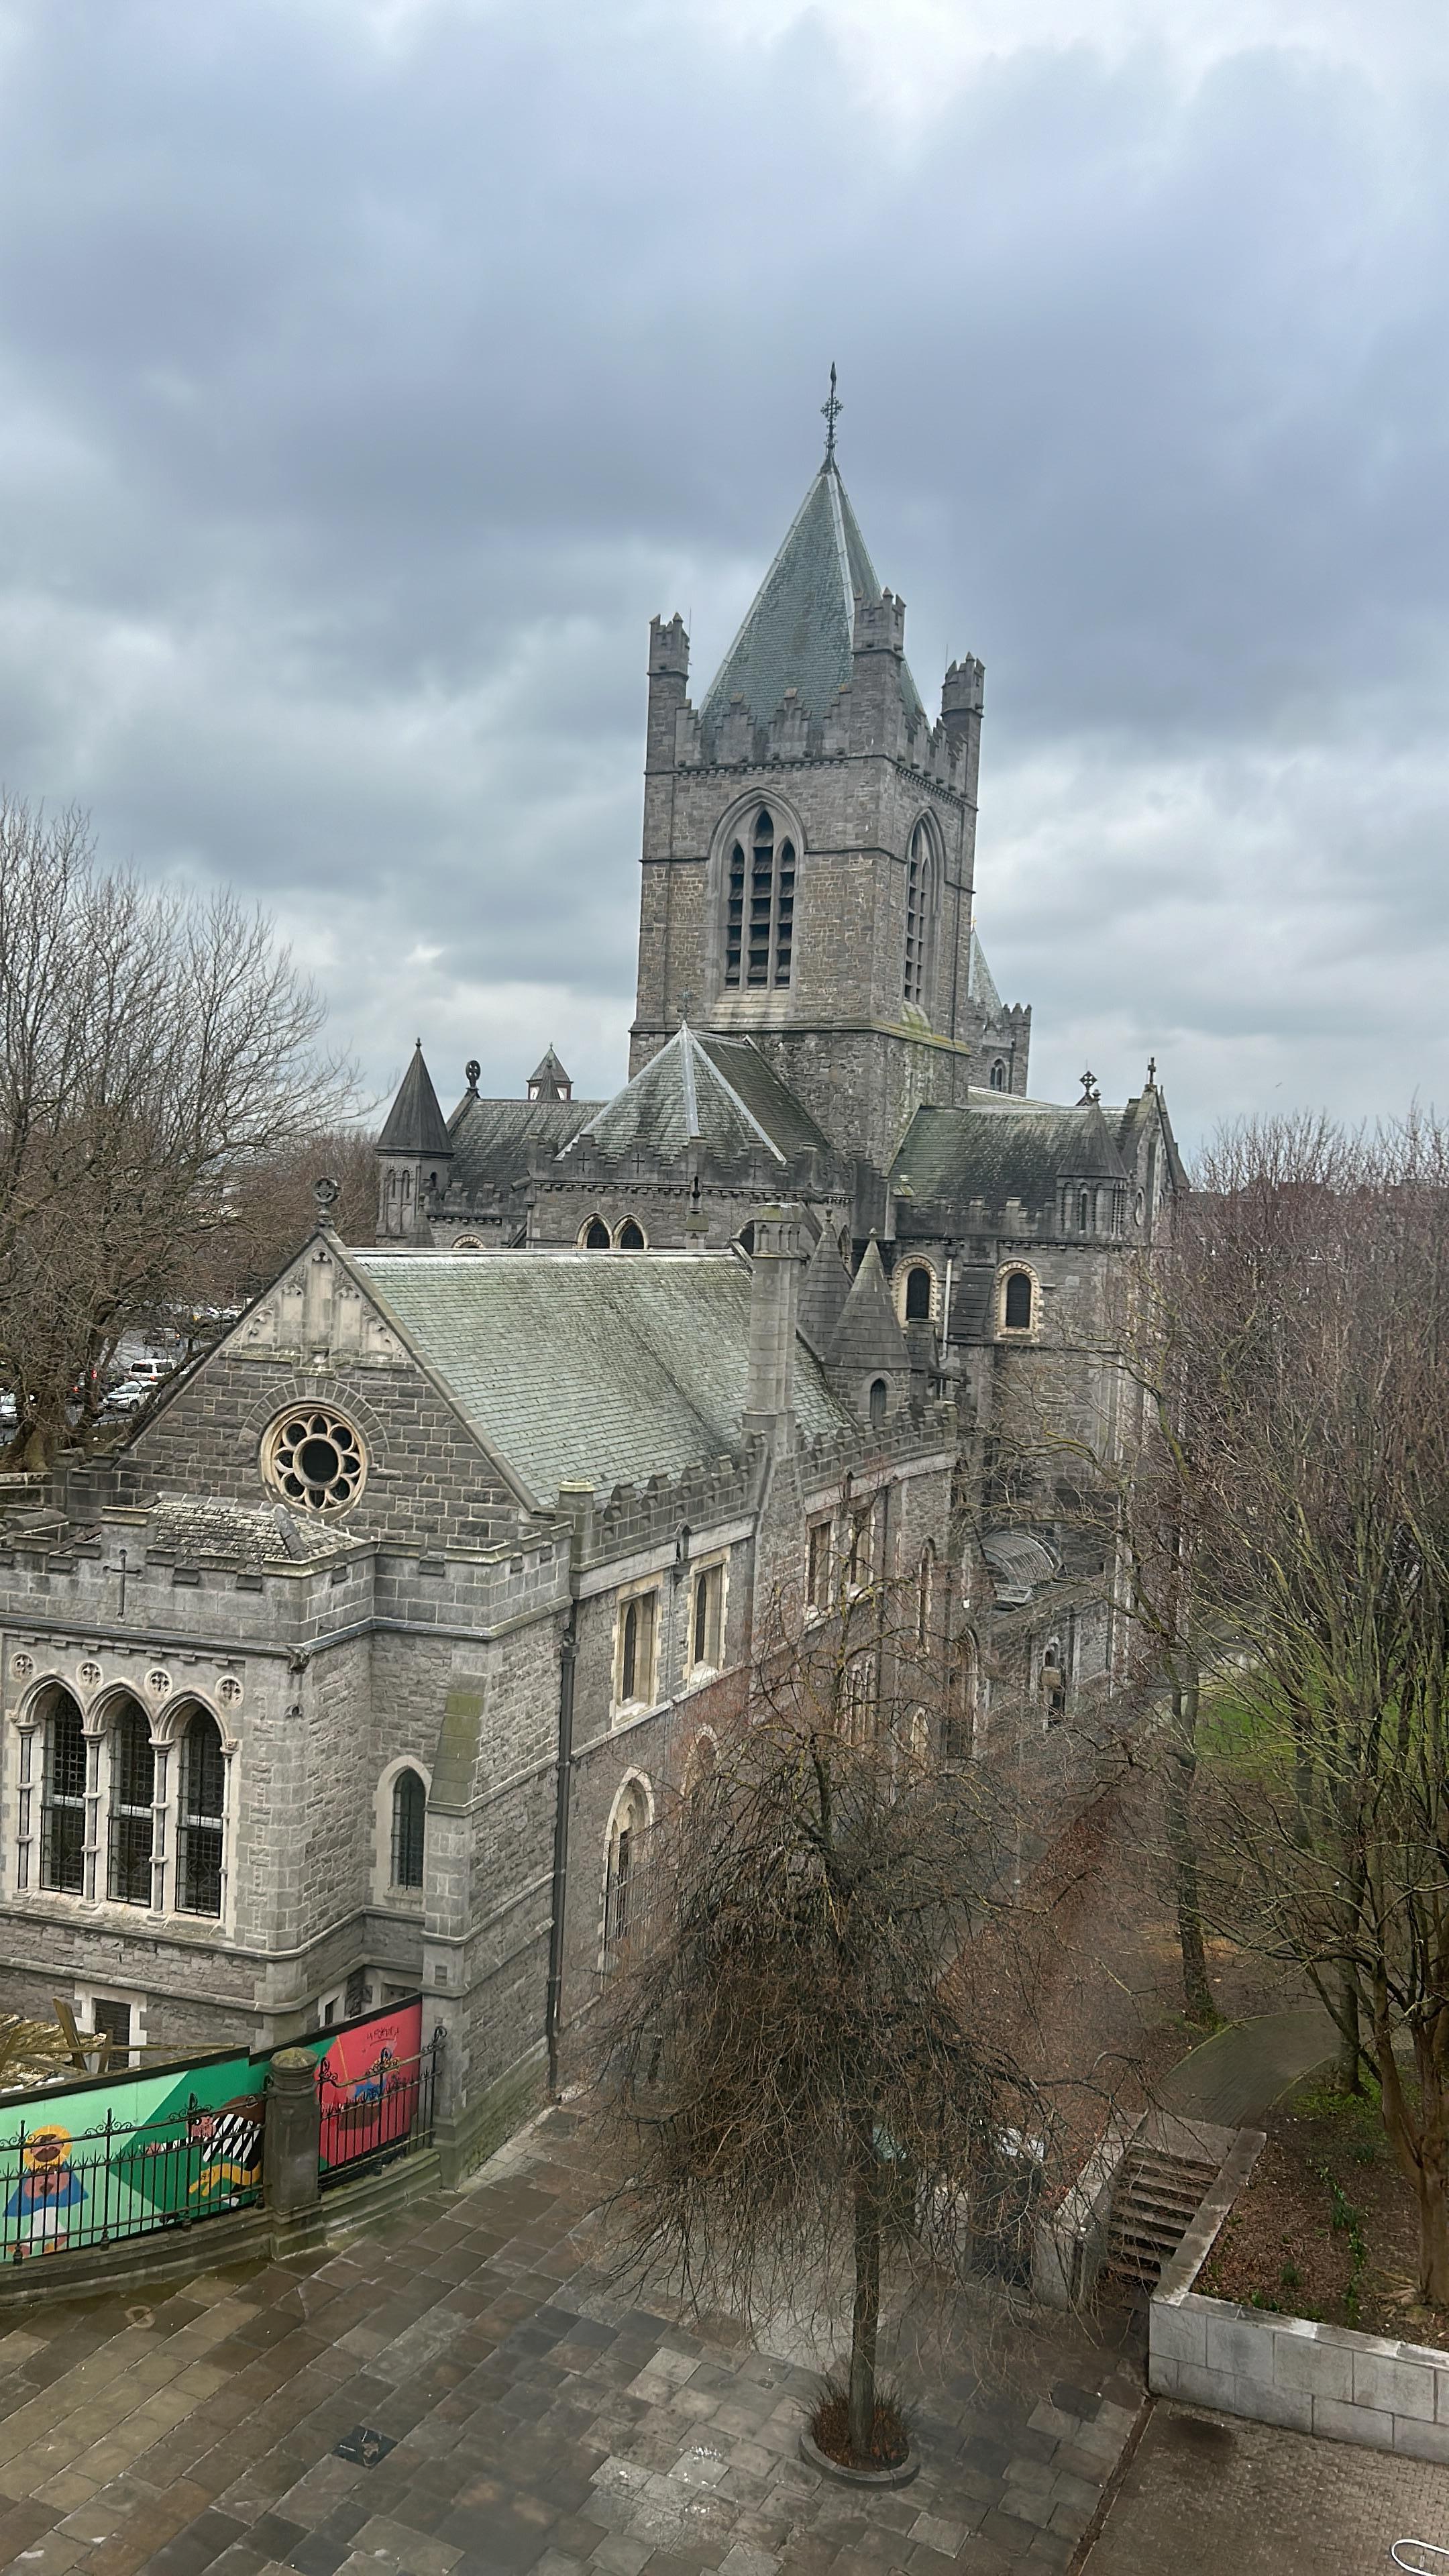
x=774 y=1308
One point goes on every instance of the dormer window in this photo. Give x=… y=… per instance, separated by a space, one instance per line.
x=760 y=906
x=920 y=916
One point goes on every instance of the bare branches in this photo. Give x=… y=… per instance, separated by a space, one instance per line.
x=155 y=1046
x=1287 y=1512
x=793 y=2058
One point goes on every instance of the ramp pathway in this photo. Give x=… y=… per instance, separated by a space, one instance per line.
x=1238 y=2075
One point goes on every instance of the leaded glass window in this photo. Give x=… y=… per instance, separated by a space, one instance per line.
x=133 y=1790
x=202 y=1817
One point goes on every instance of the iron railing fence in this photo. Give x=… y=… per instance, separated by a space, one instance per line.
x=387 y=2111
x=62 y=2190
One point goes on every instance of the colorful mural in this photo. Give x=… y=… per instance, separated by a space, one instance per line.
x=117 y=2155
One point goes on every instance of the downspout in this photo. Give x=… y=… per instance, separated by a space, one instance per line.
x=578 y=1501
x=568 y=1655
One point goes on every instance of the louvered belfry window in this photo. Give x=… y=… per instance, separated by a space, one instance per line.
x=760 y=911
x=920 y=915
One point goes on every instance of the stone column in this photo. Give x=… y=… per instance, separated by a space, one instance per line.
x=293 y=2135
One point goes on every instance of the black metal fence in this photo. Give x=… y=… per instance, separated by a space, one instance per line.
x=60 y=2190
x=386 y=2112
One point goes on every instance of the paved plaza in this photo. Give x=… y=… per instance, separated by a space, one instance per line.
x=1204 y=2497
x=533 y=2422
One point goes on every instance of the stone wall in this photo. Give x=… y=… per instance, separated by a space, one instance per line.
x=1321 y=2379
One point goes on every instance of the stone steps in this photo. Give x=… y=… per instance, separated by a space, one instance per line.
x=1153 y=2204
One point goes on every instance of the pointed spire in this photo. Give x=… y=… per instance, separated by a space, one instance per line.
x=869 y=1335
x=548 y=1080
x=824 y=1292
x=800 y=631
x=415 y=1123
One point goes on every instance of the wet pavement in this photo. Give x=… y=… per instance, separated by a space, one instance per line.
x=1206 y=2494
x=466 y=2389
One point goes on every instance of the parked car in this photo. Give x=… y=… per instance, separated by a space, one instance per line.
x=130 y=1395
x=148 y=1372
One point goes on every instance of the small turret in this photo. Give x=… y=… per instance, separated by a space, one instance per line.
x=668 y=672
x=548 y=1080
x=414 y=1152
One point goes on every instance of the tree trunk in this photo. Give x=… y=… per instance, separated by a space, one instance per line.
x=1181 y=1773
x=1433 y=2199
x=1350 y=2041
x=865 y=2317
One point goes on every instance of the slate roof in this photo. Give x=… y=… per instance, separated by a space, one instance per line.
x=195 y=1527
x=492 y=1138
x=704 y=1091
x=549 y=1070
x=801 y=626
x=823 y=1292
x=999 y=1148
x=415 y=1123
x=868 y=1334
x=577 y=1365
x=753 y=1079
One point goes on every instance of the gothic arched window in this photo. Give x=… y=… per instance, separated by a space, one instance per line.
x=998 y=1075
x=203 y=1817
x=631 y=1236
x=879 y=1399
x=918 y=1294
x=920 y=916
x=409 y=1808
x=760 y=906
x=1017 y=1309
x=133 y=1790
x=596 y=1235
x=63 y=1801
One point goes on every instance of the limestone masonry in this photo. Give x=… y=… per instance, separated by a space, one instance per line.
x=374 y=1656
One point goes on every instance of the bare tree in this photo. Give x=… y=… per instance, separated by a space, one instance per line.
x=1290 y=1499
x=271 y=1206
x=154 y=1047
x=800 y=2059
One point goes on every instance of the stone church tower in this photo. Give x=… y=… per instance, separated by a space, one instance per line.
x=809 y=849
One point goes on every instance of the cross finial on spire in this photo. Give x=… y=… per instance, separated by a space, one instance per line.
x=1090 y=1093
x=831 y=412
x=1152 y=1073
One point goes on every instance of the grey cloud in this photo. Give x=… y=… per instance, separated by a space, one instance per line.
x=363 y=401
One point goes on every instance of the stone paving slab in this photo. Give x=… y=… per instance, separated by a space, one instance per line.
x=1206 y=2497
x=536 y=2422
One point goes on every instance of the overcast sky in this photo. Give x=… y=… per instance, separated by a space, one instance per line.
x=369 y=374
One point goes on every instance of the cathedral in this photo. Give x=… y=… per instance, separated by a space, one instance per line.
x=372 y=1658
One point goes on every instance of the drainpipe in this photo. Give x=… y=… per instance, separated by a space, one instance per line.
x=580 y=1500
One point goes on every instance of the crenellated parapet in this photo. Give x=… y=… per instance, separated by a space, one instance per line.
x=640 y=1516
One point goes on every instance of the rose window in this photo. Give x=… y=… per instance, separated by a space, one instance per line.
x=316 y=1459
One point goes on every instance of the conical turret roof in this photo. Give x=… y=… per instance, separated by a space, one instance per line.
x=415 y=1123
x=801 y=628
x=868 y=1335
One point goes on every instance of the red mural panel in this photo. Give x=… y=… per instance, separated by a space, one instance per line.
x=368 y=2083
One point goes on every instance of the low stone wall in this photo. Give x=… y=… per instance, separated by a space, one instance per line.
x=1328 y=2380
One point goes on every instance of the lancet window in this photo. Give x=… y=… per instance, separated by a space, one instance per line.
x=920 y=915
x=760 y=906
